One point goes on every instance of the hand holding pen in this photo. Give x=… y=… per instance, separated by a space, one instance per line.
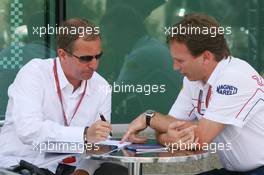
x=98 y=131
x=103 y=119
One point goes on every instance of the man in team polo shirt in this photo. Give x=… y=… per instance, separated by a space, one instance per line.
x=224 y=93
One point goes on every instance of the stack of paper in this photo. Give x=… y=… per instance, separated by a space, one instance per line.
x=106 y=147
x=114 y=143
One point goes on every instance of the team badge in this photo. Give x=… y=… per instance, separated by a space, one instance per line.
x=226 y=89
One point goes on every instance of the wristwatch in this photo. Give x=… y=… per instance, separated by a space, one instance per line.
x=149 y=114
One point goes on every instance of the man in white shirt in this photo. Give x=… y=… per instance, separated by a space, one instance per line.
x=58 y=99
x=224 y=93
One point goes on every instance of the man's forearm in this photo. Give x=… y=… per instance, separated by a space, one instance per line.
x=160 y=122
x=204 y=126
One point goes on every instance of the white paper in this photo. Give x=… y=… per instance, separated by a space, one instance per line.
x=115 y=143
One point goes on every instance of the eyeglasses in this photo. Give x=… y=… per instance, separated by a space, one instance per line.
x=86 y=58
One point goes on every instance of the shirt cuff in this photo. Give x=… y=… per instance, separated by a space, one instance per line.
x=71 y=134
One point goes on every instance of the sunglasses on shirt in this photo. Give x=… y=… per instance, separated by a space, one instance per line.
x=86 y=58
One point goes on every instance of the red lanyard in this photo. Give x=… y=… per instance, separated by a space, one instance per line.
x=200 y=97
x=208 y=96
x=60 y=95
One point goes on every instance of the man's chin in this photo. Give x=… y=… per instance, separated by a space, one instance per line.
x=87 y=76
x=191 y=79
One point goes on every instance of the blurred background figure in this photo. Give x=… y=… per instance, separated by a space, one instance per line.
x=132 y=57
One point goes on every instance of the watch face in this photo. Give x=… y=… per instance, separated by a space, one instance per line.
x=150 y=112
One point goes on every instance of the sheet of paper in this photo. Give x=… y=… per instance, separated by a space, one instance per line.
x=114 y=142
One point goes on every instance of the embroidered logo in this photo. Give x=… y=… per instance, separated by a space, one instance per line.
x=259 y=80
x=226 y=89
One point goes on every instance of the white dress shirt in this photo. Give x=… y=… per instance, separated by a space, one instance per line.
x=34 y=112
x=237 y=100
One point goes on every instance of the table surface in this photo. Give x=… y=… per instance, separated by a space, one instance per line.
x=127 y=156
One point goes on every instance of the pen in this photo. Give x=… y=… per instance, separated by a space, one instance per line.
x=103 y=119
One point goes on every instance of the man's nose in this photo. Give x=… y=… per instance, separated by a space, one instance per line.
x=94 y=63
x=176 y=66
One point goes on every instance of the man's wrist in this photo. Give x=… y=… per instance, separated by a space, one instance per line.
x=149 y=114
x=85 y=135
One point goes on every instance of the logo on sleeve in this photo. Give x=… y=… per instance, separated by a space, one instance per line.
x=226 y=89
x=259 y=79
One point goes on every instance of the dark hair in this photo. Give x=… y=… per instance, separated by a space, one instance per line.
x=197 y=43
x=65 y=40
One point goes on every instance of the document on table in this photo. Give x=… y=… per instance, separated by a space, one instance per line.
x=106 y=147
x=114 y=143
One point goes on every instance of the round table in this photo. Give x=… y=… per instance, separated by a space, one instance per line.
x=135 y=160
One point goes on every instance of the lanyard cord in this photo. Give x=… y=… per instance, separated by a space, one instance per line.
x=60 y=95
x=208 y=96
x=200 y=97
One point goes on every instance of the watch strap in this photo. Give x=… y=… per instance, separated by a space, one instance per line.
x=148 y=118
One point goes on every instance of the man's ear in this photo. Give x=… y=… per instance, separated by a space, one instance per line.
x=61 y=54
x=207 y=57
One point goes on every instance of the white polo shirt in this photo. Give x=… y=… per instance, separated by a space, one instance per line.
x=34 y=112
x=237 y=100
